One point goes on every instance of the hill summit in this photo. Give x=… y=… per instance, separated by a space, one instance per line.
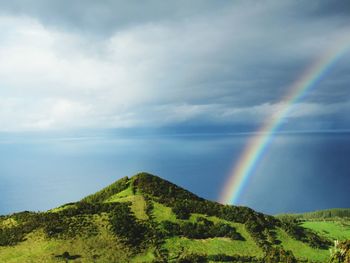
x=148 y=219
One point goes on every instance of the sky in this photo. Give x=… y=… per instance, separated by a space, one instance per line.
x=87 y=68
x=110 y=64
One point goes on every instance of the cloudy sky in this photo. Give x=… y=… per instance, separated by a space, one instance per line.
x=91 y=91
x=222 y=65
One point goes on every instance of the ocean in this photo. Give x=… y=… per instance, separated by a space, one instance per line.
x=299 y=171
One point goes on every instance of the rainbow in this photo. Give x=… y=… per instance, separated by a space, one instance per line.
x=261 y=139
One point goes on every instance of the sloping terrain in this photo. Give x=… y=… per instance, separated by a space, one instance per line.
x=147 y=219
x=332 y=224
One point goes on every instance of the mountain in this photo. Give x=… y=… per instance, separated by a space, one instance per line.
x=147 y=219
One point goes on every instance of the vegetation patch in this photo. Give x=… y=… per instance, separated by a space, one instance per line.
x=335 y=230
x=212 y=246
x=302 y=250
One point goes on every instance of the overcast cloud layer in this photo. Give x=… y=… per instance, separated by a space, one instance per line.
x=111 y=64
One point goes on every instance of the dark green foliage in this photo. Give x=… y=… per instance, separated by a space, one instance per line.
x=76 y=220
x=155 y=234
x=127 y=227
x=149 y=207
x=256 y=223
x=158 y=187
x=70 y=222
x=11 y=236
x=235 y=258
x=109 y=191
x=192 y=258
x=181 y=210
x=260 y=226
x=83 y=208
x=26 y=223
x=184 y=203
x=225 y=230
x=23 y=217
x=278 y=254
x=69 y=227
x=66 y=256
x=189 y=258
x=230 y=213
x=201 y=229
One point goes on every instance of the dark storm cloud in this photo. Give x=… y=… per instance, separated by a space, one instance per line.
x=330 y=8
x=114 y=64
x=106 y=16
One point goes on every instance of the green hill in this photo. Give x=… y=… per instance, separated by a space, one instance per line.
x=147 y=219
x=332 y=224
x=335 y=213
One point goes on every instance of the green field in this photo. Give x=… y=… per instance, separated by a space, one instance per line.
x=302 y=250
x=335 y=230
x=39 y=249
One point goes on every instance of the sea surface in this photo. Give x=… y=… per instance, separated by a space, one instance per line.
x=299 y=171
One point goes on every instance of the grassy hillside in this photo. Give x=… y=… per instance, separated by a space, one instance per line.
x=147 y=219
x=335 y=213
x=332 y=224
x=335 y=230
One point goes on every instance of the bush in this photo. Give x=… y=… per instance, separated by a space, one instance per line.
x=127 y=227
x=192 y=258
x=109 y=191
x=278 y=254
x=235 y=258
x=201 y=229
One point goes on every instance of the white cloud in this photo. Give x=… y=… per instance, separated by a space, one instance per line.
x=204 y=68
x=304 y=109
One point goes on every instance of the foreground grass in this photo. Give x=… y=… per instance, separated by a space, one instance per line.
x=337 y=230
x=302 y=250
x=163 y=213
x=147 y=256
x=37 y=248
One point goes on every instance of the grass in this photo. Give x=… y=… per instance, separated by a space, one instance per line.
x=138 y=204
x=162 y=213
x=211 y=246
x=124 y=193
x=302 y=250
x=61 y=208
x=333 y=213
x=339 y=230
x=147 y=256
x=39 y=249
x=106 y=247
x=34 y=249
